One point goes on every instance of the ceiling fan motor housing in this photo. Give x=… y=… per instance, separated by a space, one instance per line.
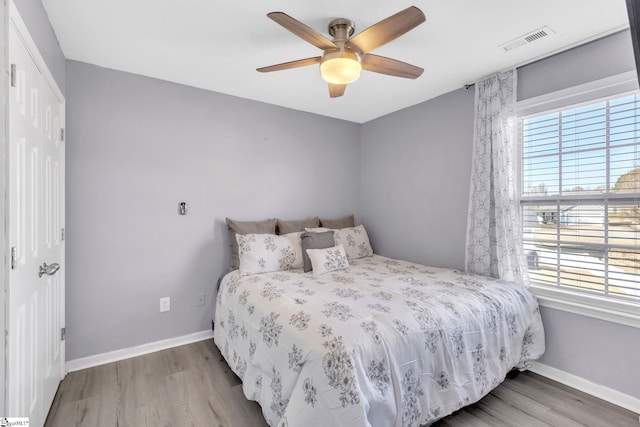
x=341 y=29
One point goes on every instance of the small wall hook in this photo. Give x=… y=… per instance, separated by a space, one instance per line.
x=182 y=208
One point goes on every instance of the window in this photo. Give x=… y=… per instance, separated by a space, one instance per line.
x=580 y=198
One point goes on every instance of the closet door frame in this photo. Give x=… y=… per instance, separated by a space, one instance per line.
x=4 y=195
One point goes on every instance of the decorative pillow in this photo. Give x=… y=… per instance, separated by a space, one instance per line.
x=355 y=241
x=246 y=227
x=311 y=240
x=296 y=244
x=317 y=230
x=345 y=222
x=263 y=253
x=329 y=259
x=286 y=227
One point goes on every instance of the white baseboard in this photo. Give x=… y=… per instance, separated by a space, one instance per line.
x=601 y=392
x=139 y=350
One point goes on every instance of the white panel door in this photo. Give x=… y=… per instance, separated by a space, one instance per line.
x=52 y=242
x=25 y=298
x=36 y=196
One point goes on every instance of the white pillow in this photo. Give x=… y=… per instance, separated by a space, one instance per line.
x=355 y=241
x=263 y=253
x=296 y=243
x=329 y=259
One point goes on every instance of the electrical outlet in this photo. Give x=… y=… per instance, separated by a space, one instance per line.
x=165 y=304
x=199 y=300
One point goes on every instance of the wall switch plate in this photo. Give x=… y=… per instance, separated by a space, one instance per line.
x=165 y=304
x=199 y=300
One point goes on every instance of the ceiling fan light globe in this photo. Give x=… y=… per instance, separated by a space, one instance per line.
x=340 y=67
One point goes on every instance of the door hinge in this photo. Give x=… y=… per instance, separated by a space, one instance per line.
x=63 y=334
x=14 y=258
x=62 y=235
x=13 y=75
x=61 y=134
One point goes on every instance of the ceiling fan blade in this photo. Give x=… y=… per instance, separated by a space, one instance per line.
x=290 y=64
x=299 y=29
x=392 y=67
x=387 y=29
x=336 y=91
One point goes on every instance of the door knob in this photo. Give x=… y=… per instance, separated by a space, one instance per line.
x=49 y=269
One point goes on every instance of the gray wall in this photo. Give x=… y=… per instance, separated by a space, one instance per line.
x=596 y=60
x=603 y=352
x=136 y=147
x=414 y=195
x=416 y=167
x=37 y=21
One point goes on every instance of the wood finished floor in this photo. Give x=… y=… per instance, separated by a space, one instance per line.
x=192 y=385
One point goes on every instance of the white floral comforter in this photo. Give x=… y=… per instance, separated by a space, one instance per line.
x=385 y=343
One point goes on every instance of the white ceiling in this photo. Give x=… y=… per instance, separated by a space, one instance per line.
x=217 y=45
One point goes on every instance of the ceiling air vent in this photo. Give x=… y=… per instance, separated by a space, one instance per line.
x=527 y=38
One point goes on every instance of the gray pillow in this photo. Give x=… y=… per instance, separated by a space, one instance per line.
x=345 y=222
x=268 y=226
x=286 y=227
x=311 y=240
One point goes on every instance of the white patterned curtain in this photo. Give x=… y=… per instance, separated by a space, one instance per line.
x=494 y=240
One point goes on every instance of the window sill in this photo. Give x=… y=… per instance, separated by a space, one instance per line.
x=621 y=312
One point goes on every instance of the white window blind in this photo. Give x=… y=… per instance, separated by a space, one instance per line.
x=580 y=197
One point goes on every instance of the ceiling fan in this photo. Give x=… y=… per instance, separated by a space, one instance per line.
x=344 y=57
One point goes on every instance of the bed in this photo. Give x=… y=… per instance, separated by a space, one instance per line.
x=382 y=343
